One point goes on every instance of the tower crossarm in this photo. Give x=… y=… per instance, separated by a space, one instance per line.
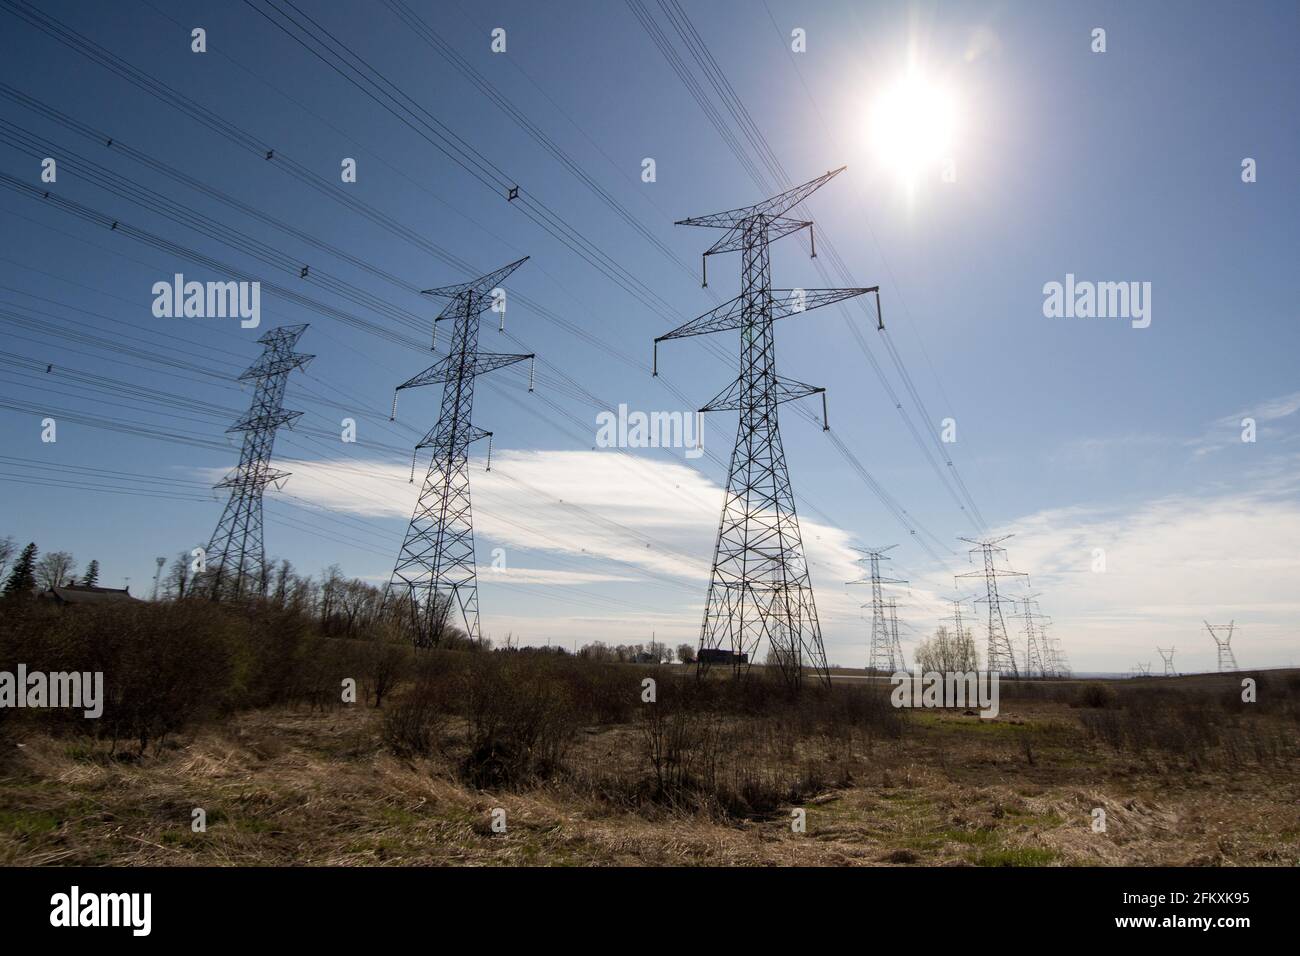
x=771 y=208
x=264 y=419
x=774 y=227
x=465 y=437
x=785 y=390
x=252 y=478
x=451 y=367
x=784 y=303
x=475 y=290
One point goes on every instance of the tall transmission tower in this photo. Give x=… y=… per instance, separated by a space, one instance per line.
x=1001 y=657
x=1036 y=644
x=1168 y=657
x=435 y=568
x=882 y=658
x=235 y=558
x=1222 y=634
x=759 y=587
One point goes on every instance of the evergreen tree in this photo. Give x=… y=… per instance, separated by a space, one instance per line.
x=22 y=579
x=91 y=578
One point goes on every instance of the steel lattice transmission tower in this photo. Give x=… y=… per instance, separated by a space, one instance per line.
x=1168 y=657
x=963 y=635
x=759 y=587
x=1001 y=657
x=882 y=659
x=895 y=646
x=1222 y=634
x=1037 y=652
x=435 y=569
x=235 y=558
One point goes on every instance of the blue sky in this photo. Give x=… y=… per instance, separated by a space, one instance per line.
x=1076 y=434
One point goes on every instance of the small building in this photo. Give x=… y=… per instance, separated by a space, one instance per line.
x=66 y=594
x=719 y=655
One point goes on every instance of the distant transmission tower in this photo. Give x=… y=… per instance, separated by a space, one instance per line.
x=235 y=559
x=1168 y=657
x=759 y=587
x=1036 y=652
x=157 y=576
x=882 y=658
x=1142 y=670
x=963 y=635
x=1222 y=634
x=435 y=568
x=1054 y=657
x=895 y=646
x=1001 y=657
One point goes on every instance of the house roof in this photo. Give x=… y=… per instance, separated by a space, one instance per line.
x=86 y=594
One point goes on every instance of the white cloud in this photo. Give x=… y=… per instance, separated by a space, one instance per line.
x=642 y=532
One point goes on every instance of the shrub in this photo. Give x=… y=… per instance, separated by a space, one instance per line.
x=1096 y=695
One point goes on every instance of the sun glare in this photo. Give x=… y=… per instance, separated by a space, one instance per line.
x=912 y=126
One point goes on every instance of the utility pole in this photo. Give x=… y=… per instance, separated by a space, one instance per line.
x=436 y=568
x=1168 y=657
x=1222 y=635
x=881 y=659
x=759 y=586
x=1001 y=657
x=235 y=558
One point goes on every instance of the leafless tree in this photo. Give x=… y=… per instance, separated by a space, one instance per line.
x=54 y=568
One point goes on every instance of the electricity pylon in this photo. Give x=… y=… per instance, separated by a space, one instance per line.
x=895 y=646
x=1036 y=657
x=882 y=659
x=1001 y=657
x=234 y=562
x=1058 y=664
x=759 y=586
x=963 y=635
x=1142 y=670
x=435 y=568
x=1222 y=634
x=1168 y=657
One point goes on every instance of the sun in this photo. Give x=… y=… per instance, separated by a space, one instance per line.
x=913 y=122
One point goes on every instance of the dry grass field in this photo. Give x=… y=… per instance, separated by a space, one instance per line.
x=587 y=774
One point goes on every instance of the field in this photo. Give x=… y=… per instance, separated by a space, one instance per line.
x=710 y=773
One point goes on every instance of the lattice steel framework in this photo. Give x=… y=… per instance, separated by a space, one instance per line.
x=1222 y=635
x=963 y=634
x=1037 y=646
x=1001 y=657
x=884 y=658
x=436 y=570
x=1168 y=657
x=235 y=558
x=759 y=587
x=895 y=645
